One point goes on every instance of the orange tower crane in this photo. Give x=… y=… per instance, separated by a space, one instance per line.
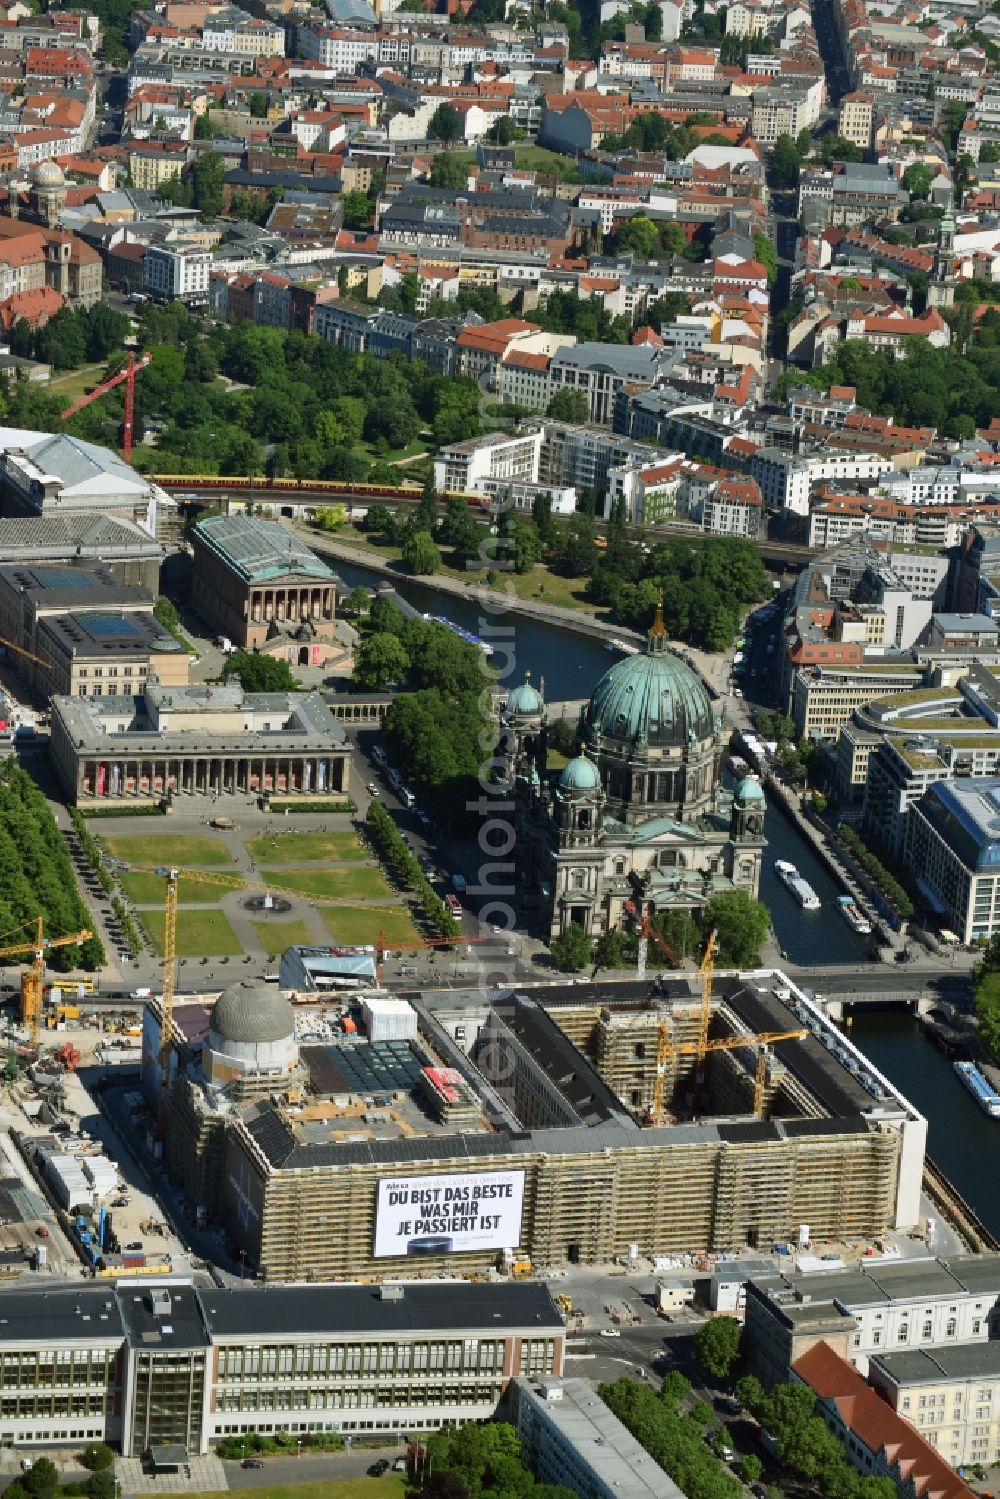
x=127 y=375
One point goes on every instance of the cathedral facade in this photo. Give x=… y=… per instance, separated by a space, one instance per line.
x=638 y=822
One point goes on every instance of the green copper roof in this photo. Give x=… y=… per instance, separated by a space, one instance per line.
x=580 y=774
x=653 y=697
x=259 y=550
x=749 y=790
x=524 y=698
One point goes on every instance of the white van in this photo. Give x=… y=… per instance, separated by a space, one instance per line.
x=406 y=797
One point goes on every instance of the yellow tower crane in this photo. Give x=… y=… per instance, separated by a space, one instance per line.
x=707 y=971
x=33 y=976
x=762 y=1040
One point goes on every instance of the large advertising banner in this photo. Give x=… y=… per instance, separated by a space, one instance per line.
x=448 y=1214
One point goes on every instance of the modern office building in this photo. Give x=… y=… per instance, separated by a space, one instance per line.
x=198 y=740
x=571 y=1437
x=523 y=1125
x=144 y=1365
x=253 y=579
x=953 y=853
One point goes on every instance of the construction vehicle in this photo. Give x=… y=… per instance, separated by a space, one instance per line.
x=520 y=1268
x=60 y=1015
x=127 y=375
x=33 y=976
x=69 y=1056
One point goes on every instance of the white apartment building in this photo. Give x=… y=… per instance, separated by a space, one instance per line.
x=236 y=32
x=172 y=273
x=787 y=479
x=338 y=49
x=465 y=466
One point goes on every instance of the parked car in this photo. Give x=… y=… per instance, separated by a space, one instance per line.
x=251 y=1462
x=377 y=1469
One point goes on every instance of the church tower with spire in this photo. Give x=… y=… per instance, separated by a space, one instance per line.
x=941 y=286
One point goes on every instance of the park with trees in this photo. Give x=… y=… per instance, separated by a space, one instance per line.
x=436 y=727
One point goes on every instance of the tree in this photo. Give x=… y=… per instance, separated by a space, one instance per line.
x=503 y=130
x=741 y=924
x=676 y=1387
x=569 y=406
x=204 y=126
x=166 y=613
x=206 y=183
x=917 y=179
x=257 y=673
x=445 y=124
x=751 y=1467
x=42 y=1477
x=258 y=104
x=356 y=602
x=420 y=554
x=717 y=1346
x=449 y=170
x=97 y=1456
x=357 y=209
x=425 y=516
x=765 y=252
x=573 y=949
x=380 y=662
x=102 y=1485
x=640 y=236
x=786 y=163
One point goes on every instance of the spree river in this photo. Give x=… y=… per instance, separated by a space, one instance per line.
x=963 y=1140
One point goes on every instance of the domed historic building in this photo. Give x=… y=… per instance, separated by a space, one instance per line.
x=639 y=819
x=251 y=1034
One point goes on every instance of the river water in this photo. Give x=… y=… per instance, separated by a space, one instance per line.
x=962 y=1138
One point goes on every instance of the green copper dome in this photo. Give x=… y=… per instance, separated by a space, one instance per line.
x=580 y=774
x=750 y=790
x=525 y=699
x=652 y=697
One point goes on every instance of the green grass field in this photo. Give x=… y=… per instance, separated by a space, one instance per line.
x=200 y=934
x=306 y=848
x=330 y=884
x=361 y=925
x=275 y=936
x=147 y=890
x=391 y=1486
x=184 y=852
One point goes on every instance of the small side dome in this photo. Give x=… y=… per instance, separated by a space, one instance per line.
x=750 y=790
x=524 y=699
x=580 y=774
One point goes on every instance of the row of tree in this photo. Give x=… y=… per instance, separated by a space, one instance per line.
x=36 y=876
x=876 y=871
x=482 y=1462
x=397 y=855
x=741 y=925
x=673 y=1437
x=804 y=1442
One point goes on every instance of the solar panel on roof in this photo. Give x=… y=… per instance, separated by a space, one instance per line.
x=64 y=577
x=107 y=626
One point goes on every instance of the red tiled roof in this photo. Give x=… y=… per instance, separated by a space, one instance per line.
x=877 y=1425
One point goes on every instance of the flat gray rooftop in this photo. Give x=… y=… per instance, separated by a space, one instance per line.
x=603 y=1443
x=937 y=1365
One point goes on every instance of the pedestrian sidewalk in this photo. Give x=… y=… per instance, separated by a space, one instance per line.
x=206 y=1474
